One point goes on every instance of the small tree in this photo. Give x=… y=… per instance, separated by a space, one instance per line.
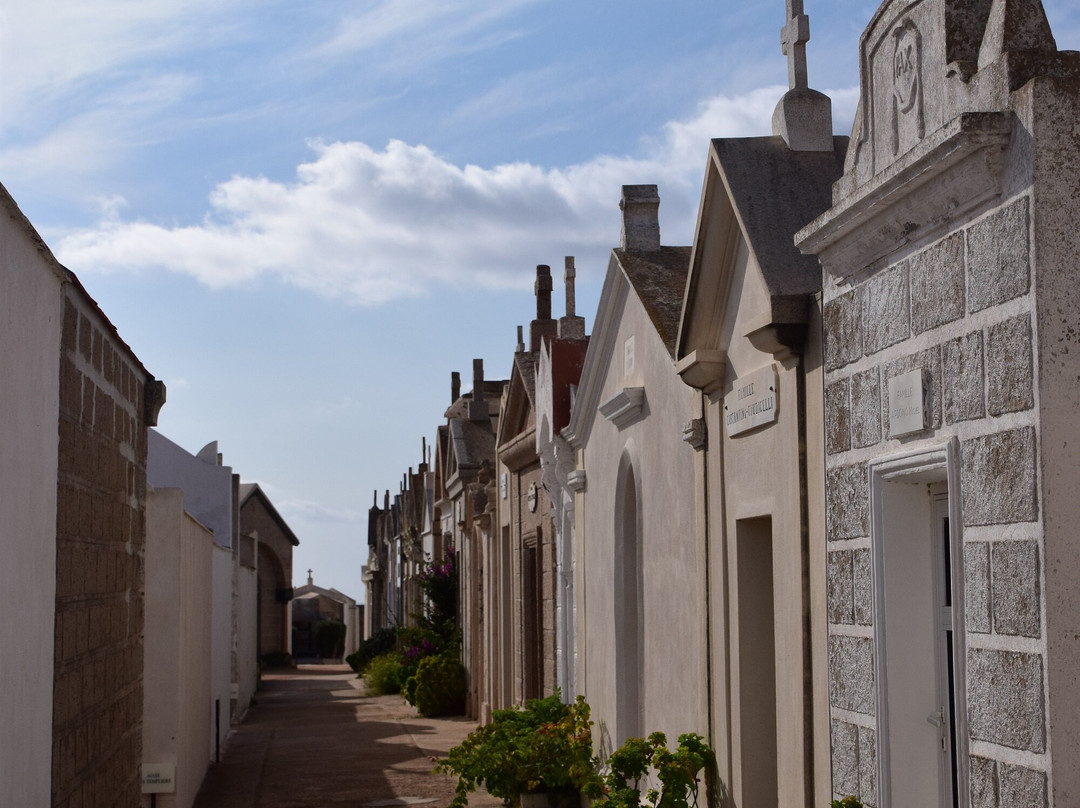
x=330 y=638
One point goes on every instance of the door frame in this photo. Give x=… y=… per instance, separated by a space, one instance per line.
x=936 y=463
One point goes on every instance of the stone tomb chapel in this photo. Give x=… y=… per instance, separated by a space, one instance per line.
x=951 y=366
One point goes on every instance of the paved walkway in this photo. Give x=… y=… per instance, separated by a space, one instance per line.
x=314 y=740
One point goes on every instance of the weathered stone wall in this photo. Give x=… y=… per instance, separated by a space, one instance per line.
x=101 y=511
x=962 y=307
x=532 y=530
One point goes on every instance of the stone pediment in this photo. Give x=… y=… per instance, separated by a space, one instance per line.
x=931 y=135
x=924 y=62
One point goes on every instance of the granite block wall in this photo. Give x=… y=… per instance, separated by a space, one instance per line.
x=962 y=308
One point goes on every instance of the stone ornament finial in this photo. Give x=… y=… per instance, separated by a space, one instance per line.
x=570 y=325
x=803 y=117
x=568 y=277
x=793 y=38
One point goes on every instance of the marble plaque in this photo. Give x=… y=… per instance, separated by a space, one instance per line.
x=752 y=401
x=907 y=412
x=158 y=778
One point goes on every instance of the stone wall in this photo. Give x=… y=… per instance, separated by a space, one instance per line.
x=100 y=535
x=962 y=308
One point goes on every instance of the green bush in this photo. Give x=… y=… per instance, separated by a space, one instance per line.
x=847 y=802
x=438 y=688
x=381 y=642
x=384 y=675
x=677 y=772
x=547 y=746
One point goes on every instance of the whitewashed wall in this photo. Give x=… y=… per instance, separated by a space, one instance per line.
x=30 y=330
x=177 y=646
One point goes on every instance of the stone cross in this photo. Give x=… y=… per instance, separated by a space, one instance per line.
x=793 y=38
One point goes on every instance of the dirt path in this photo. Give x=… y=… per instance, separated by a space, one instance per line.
x=313 y=740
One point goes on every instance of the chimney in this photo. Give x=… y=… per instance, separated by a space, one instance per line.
x=543 y=325
x=478 y=408
x=571 y=326
x=455 y=386
x=520 y=347
x=640 y=205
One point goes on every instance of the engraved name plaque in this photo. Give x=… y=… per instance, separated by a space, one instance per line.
x=752 y=402
x=907 y=412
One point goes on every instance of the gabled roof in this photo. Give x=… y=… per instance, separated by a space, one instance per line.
x=659 y=279
x=472 y=442
x=252 y=490
x=770 y=192
x=517 y=420
x=314 y=591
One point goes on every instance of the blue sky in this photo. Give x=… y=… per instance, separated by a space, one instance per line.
x=304 y=216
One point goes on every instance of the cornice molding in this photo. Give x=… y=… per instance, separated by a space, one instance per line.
x=952 y=173
x=625 y=407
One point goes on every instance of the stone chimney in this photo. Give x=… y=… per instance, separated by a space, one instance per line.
x=520 y=347
x=478 y=407
x=455 y=386
x=571 y=326
x=803 y=117
x=640 y=207
x=543 y=325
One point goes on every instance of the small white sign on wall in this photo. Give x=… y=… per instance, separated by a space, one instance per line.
x=158 y=778
x=907 y=413
x=752 y=401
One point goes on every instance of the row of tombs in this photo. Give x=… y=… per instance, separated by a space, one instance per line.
x=808 y=488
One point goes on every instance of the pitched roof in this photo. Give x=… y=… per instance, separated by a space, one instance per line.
x=659 y=280
x=249 y=490
x=473 y=442
x=775 y=192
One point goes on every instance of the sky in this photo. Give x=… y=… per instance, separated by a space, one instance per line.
x=303 y=216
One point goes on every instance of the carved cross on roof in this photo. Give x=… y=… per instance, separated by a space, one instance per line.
x=793 y=38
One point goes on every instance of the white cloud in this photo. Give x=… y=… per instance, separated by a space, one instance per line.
x=53 y=51
x=423 y=31
x=369 y=225
x=94 y=140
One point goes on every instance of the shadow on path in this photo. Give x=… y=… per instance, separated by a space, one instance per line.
x=314 y=739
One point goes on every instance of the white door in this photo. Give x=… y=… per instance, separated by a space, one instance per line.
x=915 y=637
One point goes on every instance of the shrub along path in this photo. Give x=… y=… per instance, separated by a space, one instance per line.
x=315 y=740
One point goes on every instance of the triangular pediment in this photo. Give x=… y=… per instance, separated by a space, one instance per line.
x=757 y=194
x=518 y=415
x=924 y=62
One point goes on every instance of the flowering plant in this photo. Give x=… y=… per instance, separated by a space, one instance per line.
x=439 y=581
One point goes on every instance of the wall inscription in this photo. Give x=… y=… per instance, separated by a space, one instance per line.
x=752 y=402
x=907 y=412
x=158 y=778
